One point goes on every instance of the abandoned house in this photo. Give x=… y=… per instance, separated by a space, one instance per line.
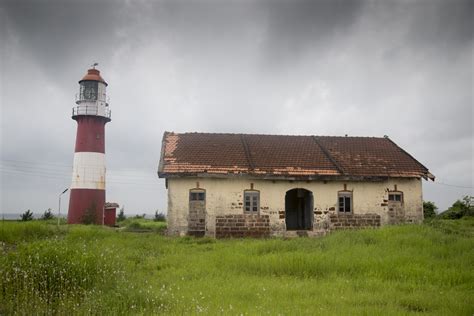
x=238 y=185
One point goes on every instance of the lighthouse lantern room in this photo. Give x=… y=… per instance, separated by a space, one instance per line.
x=87 y=197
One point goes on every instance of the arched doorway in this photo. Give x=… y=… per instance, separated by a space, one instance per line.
x=299 y=209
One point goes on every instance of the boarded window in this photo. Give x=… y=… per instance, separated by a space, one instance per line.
x=197 y=195
x=345 y=202
x=251 y=201
x=395 y=196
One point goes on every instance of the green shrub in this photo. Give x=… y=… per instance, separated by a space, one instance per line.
x=429 y=209
x=159 y=217
x=135 y=225
x=121 y=215
x=459 y=209
x=47 y=215
x=27 y=216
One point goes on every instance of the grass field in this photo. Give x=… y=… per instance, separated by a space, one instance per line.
x=398 y=270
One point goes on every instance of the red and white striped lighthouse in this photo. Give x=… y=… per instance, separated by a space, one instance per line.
x=87 y=195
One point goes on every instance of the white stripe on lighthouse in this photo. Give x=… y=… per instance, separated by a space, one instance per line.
x=88 y=171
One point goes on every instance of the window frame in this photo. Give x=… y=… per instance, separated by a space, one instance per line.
x=250 y=194
x=395 y=193
x=199 y=192
x=345 y=194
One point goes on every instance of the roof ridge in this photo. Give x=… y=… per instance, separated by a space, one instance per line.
x=248 y=156
x=263 y=134
x=328 y=155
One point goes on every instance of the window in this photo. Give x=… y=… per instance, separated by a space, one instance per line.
x=197 y=195
x=395 y=196
x=345 y=202
x=251 y=201
x=88 y=90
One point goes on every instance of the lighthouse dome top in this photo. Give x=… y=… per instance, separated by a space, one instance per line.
x=93 y=75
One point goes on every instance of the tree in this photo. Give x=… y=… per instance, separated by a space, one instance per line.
x=429 y=209
x=469 y=204
x=121 y=215
x=27 y=216
x=460 y=208
x=48 y=214
x=159 y=217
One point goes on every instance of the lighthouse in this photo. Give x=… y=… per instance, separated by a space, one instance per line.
x=87 y=191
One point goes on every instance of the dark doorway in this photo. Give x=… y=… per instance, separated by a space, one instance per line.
x=299 y=209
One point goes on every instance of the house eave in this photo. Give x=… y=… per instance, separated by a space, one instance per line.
x=269 y=176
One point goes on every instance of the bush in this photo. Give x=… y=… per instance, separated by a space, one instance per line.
x=429 y=209
x=121 y=215
x=159 y=217
x=135 y=225
x=459 y=209
x=48 y=214
x=27 y=216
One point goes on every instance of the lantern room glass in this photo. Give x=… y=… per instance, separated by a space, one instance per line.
x=89 y=90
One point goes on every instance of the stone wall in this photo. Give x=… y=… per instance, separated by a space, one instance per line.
x=353 y=221
x=242 y=225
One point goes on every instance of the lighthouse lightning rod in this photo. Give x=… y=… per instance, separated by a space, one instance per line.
x=59 y=206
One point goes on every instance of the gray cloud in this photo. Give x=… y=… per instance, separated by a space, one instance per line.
x=294 y=67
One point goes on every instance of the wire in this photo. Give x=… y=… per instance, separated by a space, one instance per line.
x=50 y=170
x=36 y=164
x=68 y=177
x=454 y=185
x=31 y=167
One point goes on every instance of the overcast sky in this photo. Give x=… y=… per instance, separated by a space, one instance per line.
x=362 y=68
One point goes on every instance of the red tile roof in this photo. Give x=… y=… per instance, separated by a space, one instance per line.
x=286 y=157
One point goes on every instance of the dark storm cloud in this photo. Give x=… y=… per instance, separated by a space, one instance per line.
x=402 y=68
x=296 y=28
x=55 y=33
x=441 y=24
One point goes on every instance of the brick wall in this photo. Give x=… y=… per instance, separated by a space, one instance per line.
x=351 y=221
x=197 y=218
x=242 y=225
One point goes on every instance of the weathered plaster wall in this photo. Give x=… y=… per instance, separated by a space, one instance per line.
x=225 y=197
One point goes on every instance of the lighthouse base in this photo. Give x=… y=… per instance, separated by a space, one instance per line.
x=86 y=206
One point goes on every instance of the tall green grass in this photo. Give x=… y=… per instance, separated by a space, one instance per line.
x=142 y=225
x=16 y=231
x=397 y=270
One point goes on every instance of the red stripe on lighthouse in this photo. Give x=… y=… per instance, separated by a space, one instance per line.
x=86 y=206
x=90 y=135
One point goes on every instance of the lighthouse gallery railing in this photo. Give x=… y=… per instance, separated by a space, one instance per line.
x=91 y=110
